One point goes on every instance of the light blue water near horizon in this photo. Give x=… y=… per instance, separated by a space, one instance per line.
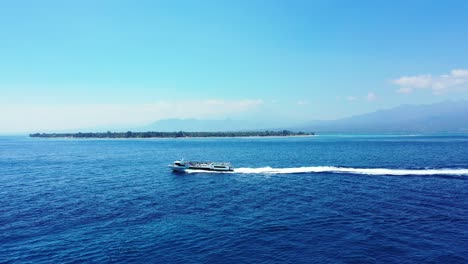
x=322 y=199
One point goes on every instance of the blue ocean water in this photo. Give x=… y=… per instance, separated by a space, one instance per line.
x=322 y=199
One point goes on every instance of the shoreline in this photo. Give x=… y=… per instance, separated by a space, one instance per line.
x=180 y=134
x=152 y=138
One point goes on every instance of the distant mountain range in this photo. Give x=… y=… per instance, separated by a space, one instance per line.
x=449 y=116
x=197 y=125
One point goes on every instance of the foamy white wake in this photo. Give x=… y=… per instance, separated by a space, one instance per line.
x=330 y=169
x=372 y=171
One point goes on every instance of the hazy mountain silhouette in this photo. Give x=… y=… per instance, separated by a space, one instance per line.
x=197 y=125
x=448 y=116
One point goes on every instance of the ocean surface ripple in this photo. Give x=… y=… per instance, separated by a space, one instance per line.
x=289 y=200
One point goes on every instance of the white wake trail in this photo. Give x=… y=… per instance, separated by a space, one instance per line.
x=367 y=171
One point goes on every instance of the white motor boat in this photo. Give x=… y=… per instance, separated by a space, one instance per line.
x=181 y=165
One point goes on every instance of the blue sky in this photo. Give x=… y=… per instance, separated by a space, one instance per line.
x=78 y=64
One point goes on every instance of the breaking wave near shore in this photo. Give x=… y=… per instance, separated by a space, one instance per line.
x=346 y=170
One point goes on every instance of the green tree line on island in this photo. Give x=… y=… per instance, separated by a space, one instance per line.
x=180 y=134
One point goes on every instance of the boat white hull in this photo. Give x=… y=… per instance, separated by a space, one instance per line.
x=177 y=167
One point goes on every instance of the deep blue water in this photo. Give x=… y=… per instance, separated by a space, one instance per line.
x=325 y=199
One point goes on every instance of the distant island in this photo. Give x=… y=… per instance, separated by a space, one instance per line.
x=180 y=134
